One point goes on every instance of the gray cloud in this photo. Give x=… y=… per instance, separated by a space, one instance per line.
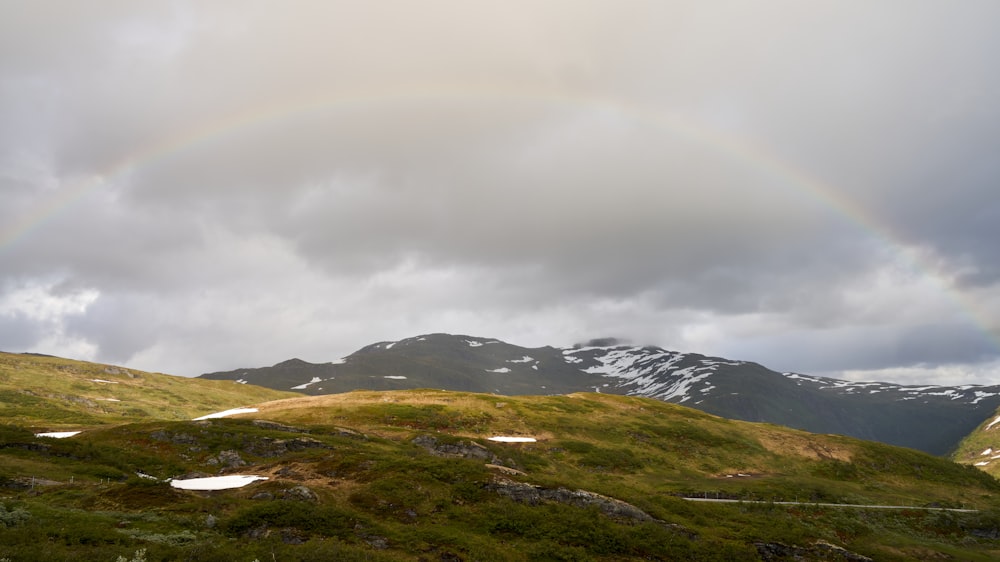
x=186 y=187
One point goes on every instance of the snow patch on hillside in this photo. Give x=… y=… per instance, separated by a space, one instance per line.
x=500 y=370
x=216 y=482
x=394 y=377
x=57 y=434
x=227 y=413
x=524 y=359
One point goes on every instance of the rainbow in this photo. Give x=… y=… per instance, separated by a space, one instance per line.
x=754 y=155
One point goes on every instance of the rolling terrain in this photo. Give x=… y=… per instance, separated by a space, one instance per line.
x=981 y=448
x=442 y=475
x=929 y=418
x=53 y=394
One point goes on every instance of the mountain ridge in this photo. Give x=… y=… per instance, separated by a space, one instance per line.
x=927 y=417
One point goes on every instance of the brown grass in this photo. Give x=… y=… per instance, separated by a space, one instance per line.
x=813 y=447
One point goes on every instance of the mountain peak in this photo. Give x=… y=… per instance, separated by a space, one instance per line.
x=603 y=342
x=294 y=362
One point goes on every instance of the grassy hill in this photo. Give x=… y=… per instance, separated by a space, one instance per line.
x=981 y=448
x=50 y=393
x=413 y=475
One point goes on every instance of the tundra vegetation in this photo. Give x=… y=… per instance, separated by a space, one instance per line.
x=413 y=475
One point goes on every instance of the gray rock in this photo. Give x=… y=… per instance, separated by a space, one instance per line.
x=269 y=447
x=265 y=424
x=534 y=495
x=821 y=550
x=463 y=449
x=376 y=542
x=299 y=493
x=231 y=459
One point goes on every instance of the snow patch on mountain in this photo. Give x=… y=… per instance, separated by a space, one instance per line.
x=306 y=385
x=648 y=371
x=500 y=370
x=980 y=395
x=969 y=394
x=525 y=359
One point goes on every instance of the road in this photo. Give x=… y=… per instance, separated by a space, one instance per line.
x=856 y=506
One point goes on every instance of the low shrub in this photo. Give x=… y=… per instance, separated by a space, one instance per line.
x=308 y=518
x=13 y=517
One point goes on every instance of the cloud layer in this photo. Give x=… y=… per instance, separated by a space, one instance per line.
x=187 y=188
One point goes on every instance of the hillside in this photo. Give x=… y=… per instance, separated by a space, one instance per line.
x=981 y=448
x=933 y=419
x=414 y=475
x=50 y=393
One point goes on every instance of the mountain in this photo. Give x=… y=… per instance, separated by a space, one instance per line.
x=928 y=418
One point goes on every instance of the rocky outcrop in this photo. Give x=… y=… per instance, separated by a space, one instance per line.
x=175 y=438
x=275 y=426
x=461 y=449
x=535 y=495
x=819 y=551
x=228 y=459
x=299 y=494
x=270 y=447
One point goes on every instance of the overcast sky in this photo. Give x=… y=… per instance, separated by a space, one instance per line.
x=197 y=186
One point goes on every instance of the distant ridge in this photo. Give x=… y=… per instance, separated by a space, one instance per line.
x=929 y=418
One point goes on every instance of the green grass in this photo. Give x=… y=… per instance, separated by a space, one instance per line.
x=51 y=394
x=378 y=496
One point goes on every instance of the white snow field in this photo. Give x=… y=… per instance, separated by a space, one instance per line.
x=504 y=439
x=227 y=413
x=216 y=482
x=57 y=434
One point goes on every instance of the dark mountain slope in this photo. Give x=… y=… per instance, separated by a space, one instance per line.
x=930 y=418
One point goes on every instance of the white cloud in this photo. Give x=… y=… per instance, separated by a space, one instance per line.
x=49 y=307
x=218 y=187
